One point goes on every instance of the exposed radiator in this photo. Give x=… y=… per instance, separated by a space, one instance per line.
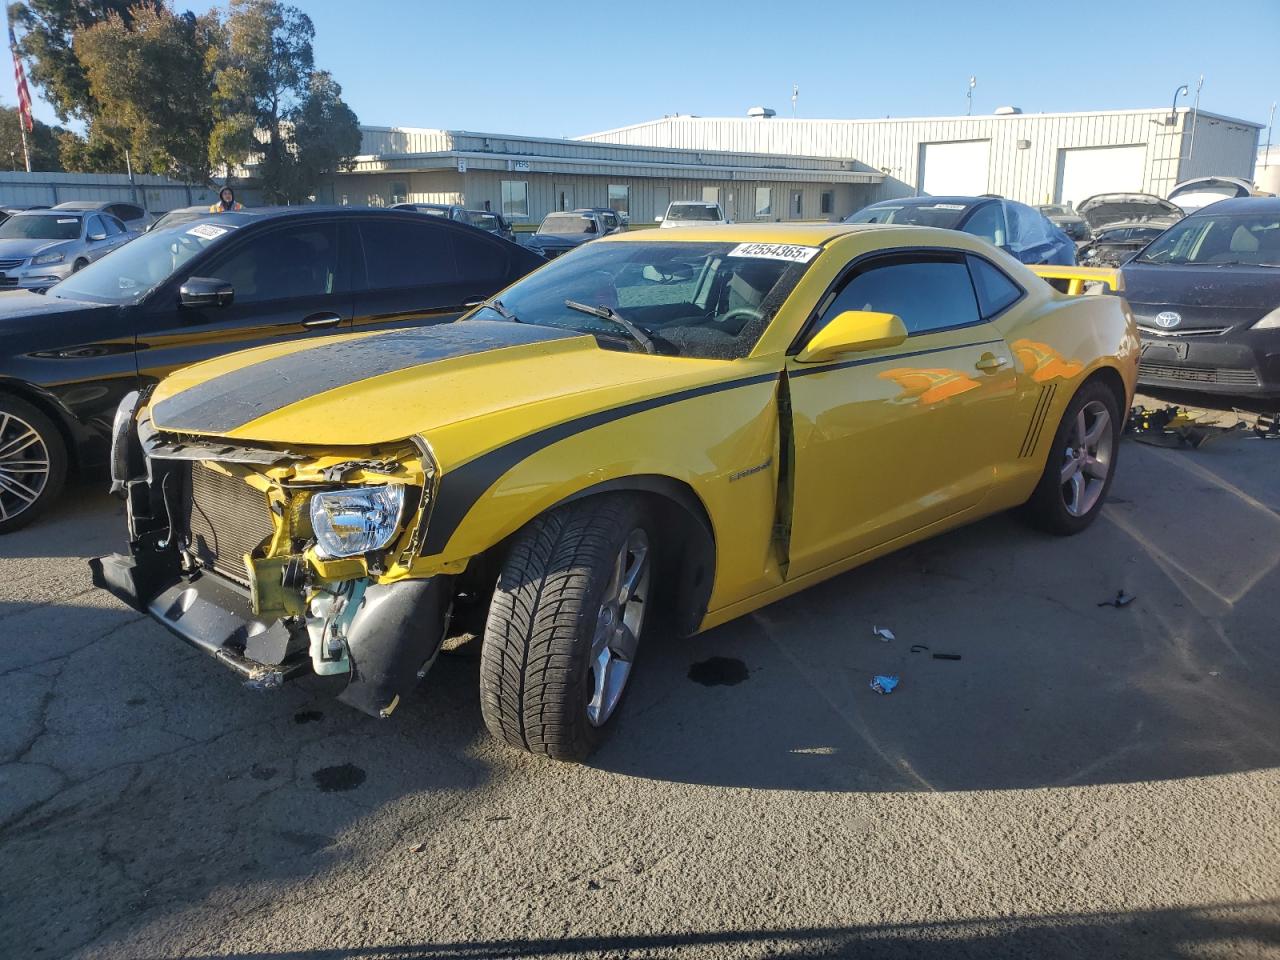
x=226 y=518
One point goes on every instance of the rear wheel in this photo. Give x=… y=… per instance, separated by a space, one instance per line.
x=33 y=463
x=1081 y=463
x=79 y=265
x=565 y=624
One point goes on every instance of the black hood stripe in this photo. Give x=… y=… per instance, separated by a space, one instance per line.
x=463 y=486
x=228 y=402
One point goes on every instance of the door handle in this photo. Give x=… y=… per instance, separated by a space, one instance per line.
x=989 y=361
x=318 y=321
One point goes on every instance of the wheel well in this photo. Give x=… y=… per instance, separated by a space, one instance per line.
x=51 y=410
x=689 y=559
x=1113 y=381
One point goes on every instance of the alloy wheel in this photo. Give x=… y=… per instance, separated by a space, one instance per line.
x=1087 y=458
x=24 y=466
x=618 y=626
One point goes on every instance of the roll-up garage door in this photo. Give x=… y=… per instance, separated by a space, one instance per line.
x=1085 y=171
x=958 y=168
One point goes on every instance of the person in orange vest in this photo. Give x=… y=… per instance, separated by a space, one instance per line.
x=226 y=201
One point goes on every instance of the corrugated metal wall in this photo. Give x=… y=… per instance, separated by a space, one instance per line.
x=157 y=194
x=1027 y=172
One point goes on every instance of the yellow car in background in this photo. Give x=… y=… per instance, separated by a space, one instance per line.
x=661 y=431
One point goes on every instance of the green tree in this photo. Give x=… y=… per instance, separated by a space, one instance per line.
x=42 y=142
x=275 y=111
x=48 y=29
x=151 y=89
x=90 y=154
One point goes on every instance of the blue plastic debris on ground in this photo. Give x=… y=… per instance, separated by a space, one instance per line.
x=883 y=684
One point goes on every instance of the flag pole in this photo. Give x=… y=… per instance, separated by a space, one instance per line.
x=24 y=107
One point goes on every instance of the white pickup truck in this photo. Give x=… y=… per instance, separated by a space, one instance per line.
x=692 y=213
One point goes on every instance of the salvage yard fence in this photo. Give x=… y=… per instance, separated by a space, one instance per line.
x=157 y=194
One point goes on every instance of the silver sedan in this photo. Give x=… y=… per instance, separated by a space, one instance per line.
x=40 y=247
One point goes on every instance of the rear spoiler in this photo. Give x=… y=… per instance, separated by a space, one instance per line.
x=1077 y=277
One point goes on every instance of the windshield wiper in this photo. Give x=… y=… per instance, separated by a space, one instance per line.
x=497 y=307
x=606 y=313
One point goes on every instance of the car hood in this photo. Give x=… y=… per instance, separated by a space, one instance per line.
x=1107 y=208
x=460 y=385
x=560 y=239
x=18 y=248
x=20 y=310
x=1218 y=295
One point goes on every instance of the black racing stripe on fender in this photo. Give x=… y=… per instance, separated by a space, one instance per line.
x=462 y=487
x=862 y=361
x=234 y=399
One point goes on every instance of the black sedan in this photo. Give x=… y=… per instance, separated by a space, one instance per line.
x=194 y=291
x=1206 y=295
x=1013 y=227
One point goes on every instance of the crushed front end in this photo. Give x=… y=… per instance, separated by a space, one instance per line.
x=282 y=562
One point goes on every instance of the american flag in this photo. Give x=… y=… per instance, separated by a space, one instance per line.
x=20 y=81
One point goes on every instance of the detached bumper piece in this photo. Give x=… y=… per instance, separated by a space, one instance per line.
x=212 y=615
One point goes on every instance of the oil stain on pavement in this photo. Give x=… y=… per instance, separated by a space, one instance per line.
x=345 y=776
x=719 y=672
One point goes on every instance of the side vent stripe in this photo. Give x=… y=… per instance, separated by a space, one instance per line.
x=1036 y=426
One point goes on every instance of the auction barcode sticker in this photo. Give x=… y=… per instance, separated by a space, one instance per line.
x=207 y=231
x=775 y=251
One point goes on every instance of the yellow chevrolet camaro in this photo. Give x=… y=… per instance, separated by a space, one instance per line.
x=656 y=433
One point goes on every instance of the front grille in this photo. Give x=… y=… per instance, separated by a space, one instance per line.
x=8 y=281
x=1166 y=371
x=9 y=264
x=1189 y=332
x=226 y=518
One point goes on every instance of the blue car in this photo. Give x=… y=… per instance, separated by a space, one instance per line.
x=1013 y=227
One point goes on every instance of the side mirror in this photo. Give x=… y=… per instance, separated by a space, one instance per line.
x=97 y=236
x=206 y=292
x=657 y=219
x=853 y=331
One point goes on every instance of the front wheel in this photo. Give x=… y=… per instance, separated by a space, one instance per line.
x=567 y=617
x=1081 y=463
x=33 y=463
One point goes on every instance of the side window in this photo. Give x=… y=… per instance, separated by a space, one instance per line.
x=929 y=292
x=296 y=261
x=401 y=253
x=95 y=227
x=996 y=292
x=114 y=226
x=480 y=260
x=987 y=222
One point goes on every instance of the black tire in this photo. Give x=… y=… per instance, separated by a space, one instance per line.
x=536 y=666
x=17 y=419
x=1048 y=508
x=79 y=265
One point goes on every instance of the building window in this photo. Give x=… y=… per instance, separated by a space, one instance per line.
x=515 y=199
x=797 y=203
x=399 y=191
x=828 y=202
x=764 y=203
x=619 y=198
x=710 y=194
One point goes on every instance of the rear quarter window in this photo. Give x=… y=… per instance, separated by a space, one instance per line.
x=996 y=292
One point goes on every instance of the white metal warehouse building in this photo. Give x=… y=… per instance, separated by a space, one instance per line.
x=1035 y=158
x=526 y=178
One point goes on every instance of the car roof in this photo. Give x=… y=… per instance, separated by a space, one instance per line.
x=1263 y=205
x=925 y=201
x=90 y=204
x=800 y=234
x=68 y=212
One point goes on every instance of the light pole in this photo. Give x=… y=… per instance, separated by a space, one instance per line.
x=973 y=82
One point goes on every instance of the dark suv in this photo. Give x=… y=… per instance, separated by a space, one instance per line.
x=195 y=290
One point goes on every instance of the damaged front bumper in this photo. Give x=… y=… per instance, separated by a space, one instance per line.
x=388 y=643
x=366 y=621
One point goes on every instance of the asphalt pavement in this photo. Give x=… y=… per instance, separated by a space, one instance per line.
x=1084 y=781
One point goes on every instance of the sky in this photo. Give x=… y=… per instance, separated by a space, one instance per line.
x=562 y=68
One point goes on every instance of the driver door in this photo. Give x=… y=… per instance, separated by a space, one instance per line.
x=892 y=440
x=291 y=282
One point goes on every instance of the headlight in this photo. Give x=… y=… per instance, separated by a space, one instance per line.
x=1270 y=322
x=47 y=258
x=355 y=521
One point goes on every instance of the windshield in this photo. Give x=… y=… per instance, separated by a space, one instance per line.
x=40 y=227
x=1051 y=210
x=567 y=223
x=178 y=216
x=694 y=211
x=706 y=300
x=1250 y=239
x=945 y=215
x=485 y=221
x=132 y=271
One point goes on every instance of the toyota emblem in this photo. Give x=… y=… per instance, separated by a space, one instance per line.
x=1168 y=319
